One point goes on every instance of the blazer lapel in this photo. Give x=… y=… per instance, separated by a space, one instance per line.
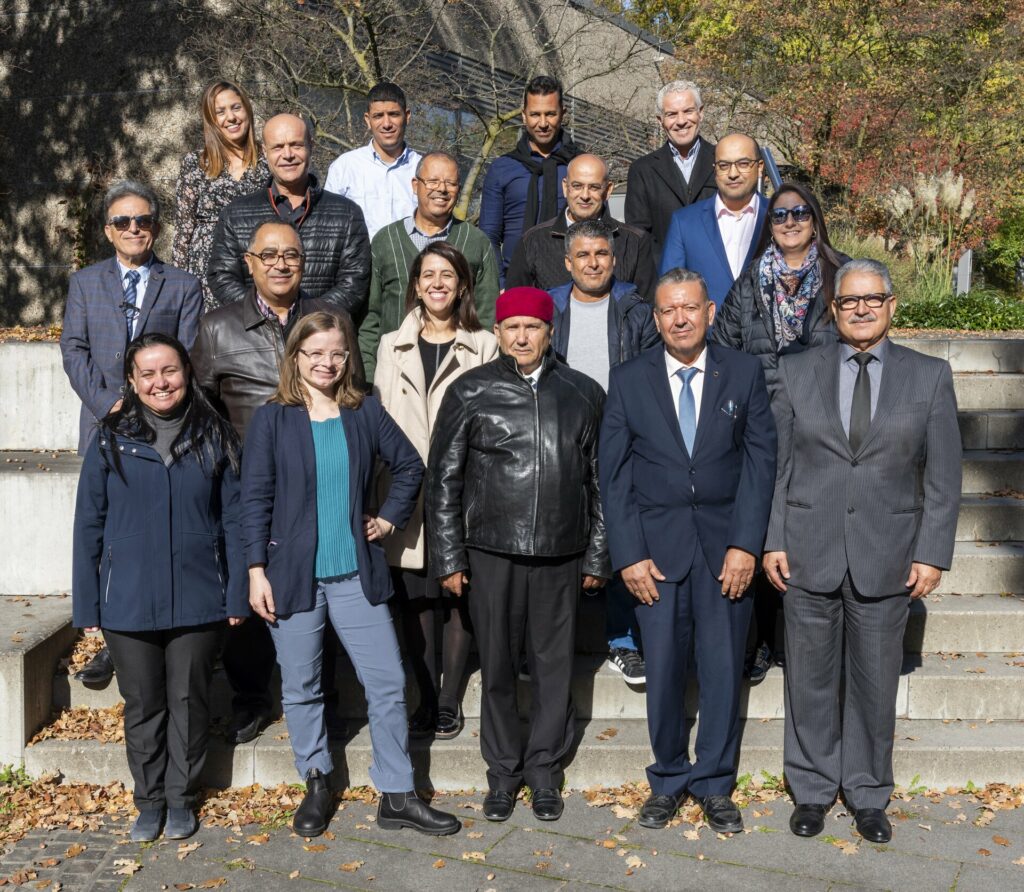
x=153 y=289
x=348 y=421
x=713 y=372
x=663 y=394
x=762 y=210
x=703 y=168
x=667 y=170
x=715 y=236
x=828 y=383
x=115 y=288
x=888 y=391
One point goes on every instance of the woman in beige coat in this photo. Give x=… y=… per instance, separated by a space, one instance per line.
x=439 y=339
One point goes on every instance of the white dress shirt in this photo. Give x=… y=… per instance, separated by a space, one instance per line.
x=143 y=272
x=685 y=162
x=737 y=231
x=675 y=383
x=383 y=191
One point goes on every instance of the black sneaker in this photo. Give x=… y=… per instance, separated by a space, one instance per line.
x=630 y=664
x=758 y=667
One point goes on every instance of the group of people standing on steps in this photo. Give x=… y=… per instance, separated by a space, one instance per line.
x=344 y=415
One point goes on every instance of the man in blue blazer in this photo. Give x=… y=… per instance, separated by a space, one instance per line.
x=114 y=301
x=687 y=471
x=716 y=237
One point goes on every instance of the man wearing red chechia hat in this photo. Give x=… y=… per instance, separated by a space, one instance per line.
x=516 y=526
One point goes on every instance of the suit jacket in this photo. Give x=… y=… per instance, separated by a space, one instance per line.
x=875 y=511
x=655 y=190
x=693 y=242
x=662 y=503
x=95 y=335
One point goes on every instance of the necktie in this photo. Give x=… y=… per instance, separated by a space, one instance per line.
x=131 y=295
x=860 y=410
x=687 y=409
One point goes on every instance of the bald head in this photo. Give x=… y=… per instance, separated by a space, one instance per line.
x=586 y=187
x=738 y=169
x=289 y=150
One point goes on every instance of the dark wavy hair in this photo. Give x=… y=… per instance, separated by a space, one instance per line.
x=465 y=302
x=205 y=431
x=828 y=258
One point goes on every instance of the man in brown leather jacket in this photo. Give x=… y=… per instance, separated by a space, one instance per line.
x=516 y=527
x=236 y=360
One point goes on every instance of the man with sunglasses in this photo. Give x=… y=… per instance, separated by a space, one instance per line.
x=716 y=237
x=236 y=361
x=863 y=521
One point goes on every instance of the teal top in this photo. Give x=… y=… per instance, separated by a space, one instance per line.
x=335 y=545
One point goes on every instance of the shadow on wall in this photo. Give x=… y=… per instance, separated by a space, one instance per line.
x=90 y=91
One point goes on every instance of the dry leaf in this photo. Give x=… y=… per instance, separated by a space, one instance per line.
x=474 y=856
x=127 y=866
x=984 y=819
x=1000 y=840
x=624 y=813
x=184 y=887
x=438 y=864
x=1019 y=861
x=608 y=734
x=294 y=875
x=476 y=834
x=490 y=877
x=351 y=866
x=635 y=862
x=186 y=849
x=329 y=835
x=320 y=847
x=258 y=839
x=691 y=834
x=213 y=884
x=74 y=850
x=608 y=843
x=984 y=852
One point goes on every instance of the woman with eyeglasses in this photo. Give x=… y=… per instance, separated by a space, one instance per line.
x=439 y=339
x=158 y=565
x=315 y=555
x=781 y=304
x=228 y=166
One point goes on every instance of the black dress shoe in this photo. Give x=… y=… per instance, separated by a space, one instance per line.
x=422 y=723
x=808 y=820
x=99 y=670
x=873 y=825
x=449 y=723
x=498 y=805
x=721 y=814
x=547 y=804
x=657 y=811
x=245 y=726
x=397 y=810
x=314 y=813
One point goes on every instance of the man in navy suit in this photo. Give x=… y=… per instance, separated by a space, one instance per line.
x=716 y=237
x=687 y=471
x=114 y=301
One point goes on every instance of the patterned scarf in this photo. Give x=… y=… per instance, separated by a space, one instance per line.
x=787 y=293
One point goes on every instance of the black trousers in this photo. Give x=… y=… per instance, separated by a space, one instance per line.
x=512 y=600
x=164 y=678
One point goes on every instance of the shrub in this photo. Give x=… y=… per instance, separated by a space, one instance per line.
x=979 y=310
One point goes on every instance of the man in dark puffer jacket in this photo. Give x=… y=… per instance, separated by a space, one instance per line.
x=337 y=265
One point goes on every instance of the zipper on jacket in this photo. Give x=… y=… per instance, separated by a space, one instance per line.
x=216 y=560
x=110 y=572
x=537 y=451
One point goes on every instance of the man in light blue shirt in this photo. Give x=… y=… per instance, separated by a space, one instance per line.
x=378 y=176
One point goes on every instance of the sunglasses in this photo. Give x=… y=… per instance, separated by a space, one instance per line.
x=145 y=222
x=801 y=214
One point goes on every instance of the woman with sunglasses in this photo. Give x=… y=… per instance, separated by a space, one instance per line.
x=314 y=555
x=228 y=166
x=781 y=304
x=158 y=565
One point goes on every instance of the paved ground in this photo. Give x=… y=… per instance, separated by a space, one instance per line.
x=937 y=845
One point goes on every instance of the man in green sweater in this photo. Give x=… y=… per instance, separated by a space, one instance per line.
x=436 y=186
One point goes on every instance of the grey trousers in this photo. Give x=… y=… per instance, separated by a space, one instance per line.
x=829 y=747
x=367 y=634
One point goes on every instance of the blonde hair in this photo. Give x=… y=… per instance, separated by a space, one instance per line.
x=214 y=157
x=291 y=391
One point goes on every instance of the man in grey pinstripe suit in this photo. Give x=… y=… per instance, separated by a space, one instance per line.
x=863 y=520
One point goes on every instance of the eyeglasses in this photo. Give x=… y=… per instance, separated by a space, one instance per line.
x=145 y=222
x=435 y=185
x=742 y=165
x=801 y=214
x=852 y=301
x=337 y=357
x=291 y=257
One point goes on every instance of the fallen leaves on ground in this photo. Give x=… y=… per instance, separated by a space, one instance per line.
x=474 y=856
x=351 y=866
x=82 y=652
x=30 y=333
x=214 y=883
x=438 y=864
x=187 y=848
x=82 y=723
x=126 y=866
x=608 y=734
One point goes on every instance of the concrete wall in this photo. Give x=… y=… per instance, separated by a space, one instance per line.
x=38 y=408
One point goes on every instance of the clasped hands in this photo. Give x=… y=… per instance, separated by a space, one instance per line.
x=736 y=575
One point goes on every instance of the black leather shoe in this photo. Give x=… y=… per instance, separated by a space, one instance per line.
x=498 y=805
x=314 y=814
x=397 y=810
x=657 y=811
x=449 y=723
x=721 y=814
x=99 y=670
x=547 y=804
x=808 y=820
x=245 y=726
x=873 y=825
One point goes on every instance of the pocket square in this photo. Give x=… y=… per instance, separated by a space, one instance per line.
x=731 y=409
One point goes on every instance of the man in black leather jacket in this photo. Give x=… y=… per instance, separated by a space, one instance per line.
x=516 y=525
x=236 y=360
x=337 y=265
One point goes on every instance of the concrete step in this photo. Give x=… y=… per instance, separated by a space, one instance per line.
x=984 y=354
x=988 y=390
x=38 y=408
x=934 y=754
x=990 y=518
x=980 y=567
x=34 y=633
x=992 y=470
x=966 y=624
x=992 y=429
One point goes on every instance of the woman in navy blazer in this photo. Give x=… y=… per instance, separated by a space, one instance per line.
x=313 y=555
x=158 y=565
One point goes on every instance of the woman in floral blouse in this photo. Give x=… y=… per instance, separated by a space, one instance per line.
x=228 y=166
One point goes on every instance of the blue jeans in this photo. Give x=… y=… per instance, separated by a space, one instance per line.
x=366 y=633
x=620 y=619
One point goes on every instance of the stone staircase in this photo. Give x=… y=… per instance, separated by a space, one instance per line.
x=961 y=695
